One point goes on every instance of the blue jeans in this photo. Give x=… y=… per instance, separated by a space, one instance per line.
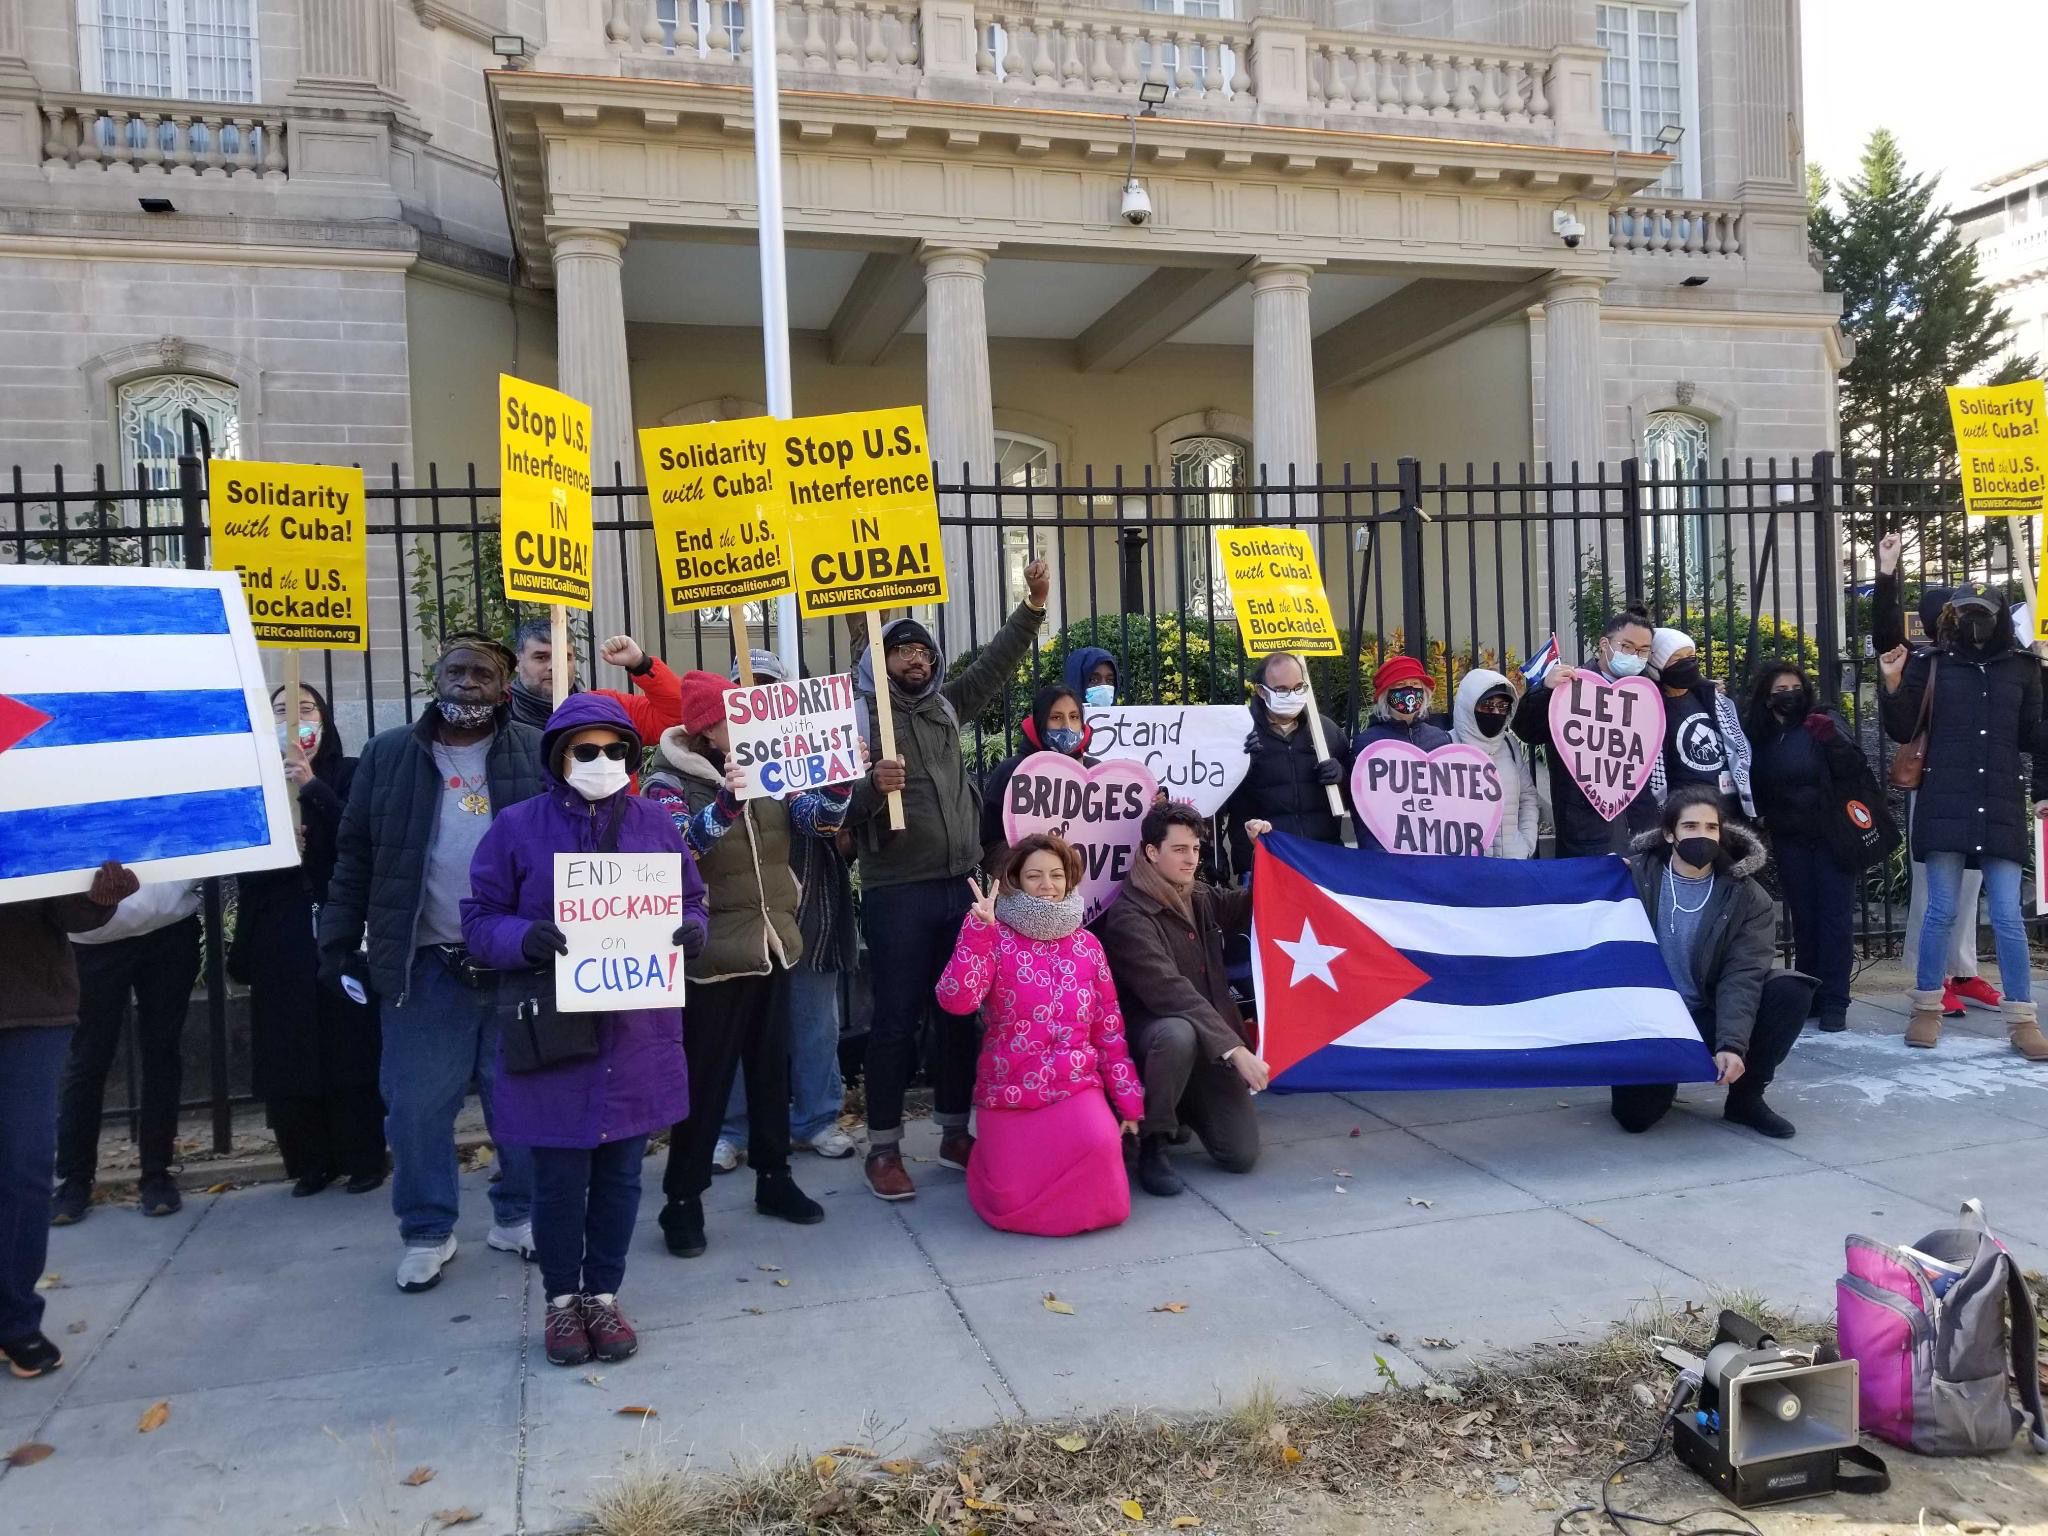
x=438 y=1043
x=31 y=1067
x=817 y=1093
x=2008 y=928
x=585 y=1201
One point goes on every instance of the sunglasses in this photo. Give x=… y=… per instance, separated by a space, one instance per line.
x=588 y=751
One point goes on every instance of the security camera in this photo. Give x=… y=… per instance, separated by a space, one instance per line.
x=1566 y=226
x=1137 y=206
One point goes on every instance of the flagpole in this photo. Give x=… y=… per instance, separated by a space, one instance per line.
x=774 y=273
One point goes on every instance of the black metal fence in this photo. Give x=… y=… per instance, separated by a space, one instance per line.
x=1456 y=567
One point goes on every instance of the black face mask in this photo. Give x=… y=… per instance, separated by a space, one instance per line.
x=1788 y=706
x=1977 y=629
x=1490 y=724
x=1699 y=852
x=1682 y=674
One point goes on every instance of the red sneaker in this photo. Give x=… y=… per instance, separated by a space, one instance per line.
x=1951 y=1005
x=567 y=1339
x=611 y=1336
x=1974 y=989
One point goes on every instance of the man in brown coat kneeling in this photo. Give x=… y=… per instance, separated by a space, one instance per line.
x=1164 y=938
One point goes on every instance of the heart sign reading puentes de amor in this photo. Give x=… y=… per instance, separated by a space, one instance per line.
x=1098 y=810
x=1608 y=735
x=1446 y=801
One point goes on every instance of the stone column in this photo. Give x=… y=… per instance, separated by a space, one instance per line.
x=21 y=124
x=1283 y=379
x=960 y=417
x=1573 y=433
x=347 y=47
x=590 y=341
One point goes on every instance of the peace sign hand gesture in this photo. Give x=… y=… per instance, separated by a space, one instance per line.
x=984 y=909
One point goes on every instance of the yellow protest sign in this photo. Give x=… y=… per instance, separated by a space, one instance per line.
x=544 y=494
x=721 y=514
x=864 y=512
x=2002 y=441
x=295 y=532
x=1277 y=590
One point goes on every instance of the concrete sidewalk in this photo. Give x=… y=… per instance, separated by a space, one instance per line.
x=302 y=1386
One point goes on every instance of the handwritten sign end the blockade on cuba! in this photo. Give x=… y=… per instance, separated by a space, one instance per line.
x=794 y=736
x=2002 y=441
x=1445 y=801
x=1098 y=810
x=295 y=534
x=1609 y=735
x=619 y=912
x=1277 y=590
x=864 y=511
x=545 y=535
x=721 y=512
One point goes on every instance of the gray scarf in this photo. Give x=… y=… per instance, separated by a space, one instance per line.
x=1037 y=918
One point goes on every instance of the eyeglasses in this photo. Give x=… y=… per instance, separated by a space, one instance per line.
x=1627 y=649
x=588 y=751
x=913 y=652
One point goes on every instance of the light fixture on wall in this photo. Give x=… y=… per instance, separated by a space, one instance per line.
x=1669 y=137
x=1697 y=280
x=157 y=205
x=509 y=46
x=1152 y=93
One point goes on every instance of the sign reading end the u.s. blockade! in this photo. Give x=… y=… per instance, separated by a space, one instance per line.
x=721 y=513
x=1277 y=591
x=294 y=532
x=2002 y=442
x=544 y=527
x=864 y=511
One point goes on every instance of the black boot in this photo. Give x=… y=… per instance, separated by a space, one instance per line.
x=682 y=1227
x=1155 y=1169
x=776 y=1194
x=1750 y=1109
x=72 y=1203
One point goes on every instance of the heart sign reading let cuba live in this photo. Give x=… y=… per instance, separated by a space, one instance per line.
x=1608 y=734
x=1099 y=810
x=1446 y=801
x=863 y=509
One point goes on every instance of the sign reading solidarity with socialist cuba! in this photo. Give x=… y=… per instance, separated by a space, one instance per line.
x=721 y=519
x=1609 y=734
x=295 y=533
x=865 y=515
x=618 y=912
x=1446 y=801
x=544 y=494
x=1194 y=751
x=1278 y=592
x=1098 y=810
x=2002 y=439
x=794 y=736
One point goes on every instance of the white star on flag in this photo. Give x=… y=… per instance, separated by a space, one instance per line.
x=1311 y=956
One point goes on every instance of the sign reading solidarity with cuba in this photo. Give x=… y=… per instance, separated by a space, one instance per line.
x=865 y=512
x=1608 y=734
x=1277 y=590
x=544 y=528
x=721 y=521
x=618 y=912
x=794 y=736
x=1098 y=810
x=1194 y=751
x=295 y=533
x=1446 y=801
x=2002 y=440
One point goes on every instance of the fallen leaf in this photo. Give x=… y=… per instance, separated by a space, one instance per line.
x=1354 y=1130
x=77 y=1327
x=637 y=1411
x=899 y=1466
x=1054 y=1304
x=1342 y=1173
x=153 y=1417
x=824 y=1466
x=1189 y=1522
x=221 y=1188
x=1430 y=1343
x=1442 y=1392
x=1132 y=1509
x=1289 y=1455
x=462 y=1516
x=1073 y=1445
x=51 y=1282
x=983 y=1504
x=1528 y=1451
x=1207 y=1469
x=769 y=1269
x=1023 y=1514
x=1419 y=1201
x=1464 y=1424
x=1269 y=1234
x=782 y=1282
x=1171 y=1306
x=854 y=1450
x=1390 y=1337
x=417 y=1476
x=29 y=1453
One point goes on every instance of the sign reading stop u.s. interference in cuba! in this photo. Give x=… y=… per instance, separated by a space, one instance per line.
x=721 y=512
x=864 y=511
x=2002 y=442
x=294 y=532
x=1277 y=590
x=544 y=494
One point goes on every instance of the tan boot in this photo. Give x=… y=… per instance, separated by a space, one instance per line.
x=1924 y=1028
x=2023 y=1024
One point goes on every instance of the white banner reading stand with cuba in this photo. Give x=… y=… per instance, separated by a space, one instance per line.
x=1195 y=751
x=135 y=724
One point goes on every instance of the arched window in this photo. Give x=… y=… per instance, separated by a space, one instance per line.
x=1023 y=461
x=1220 y=467
x=149 y=419
x=1675 y=450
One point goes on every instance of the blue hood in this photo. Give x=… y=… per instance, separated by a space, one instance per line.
x=1084 y=661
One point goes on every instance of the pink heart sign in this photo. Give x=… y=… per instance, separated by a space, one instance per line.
x=1607 y=735
x=1099 y=810
x=1446 y=801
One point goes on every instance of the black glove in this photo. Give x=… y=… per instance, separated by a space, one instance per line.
x=689 y=938
x=542 y=943
x=1329 y=771
x=1251 y=745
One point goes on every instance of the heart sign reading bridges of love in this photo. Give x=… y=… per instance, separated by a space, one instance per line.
x=1608 y=735
x=1446 y=801
x=1099 y=810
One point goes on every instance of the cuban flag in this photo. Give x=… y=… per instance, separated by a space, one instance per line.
x=1538 y=666
x=1386 y=971
x=135 y=724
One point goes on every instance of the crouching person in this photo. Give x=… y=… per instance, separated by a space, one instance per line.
x=581 y=1091
x=1717 y=929
x=1049 y=1156
x=1164 y=938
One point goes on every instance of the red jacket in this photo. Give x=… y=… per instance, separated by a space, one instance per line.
x=657 y=706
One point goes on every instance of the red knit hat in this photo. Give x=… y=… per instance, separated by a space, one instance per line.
x=1399 y=669
x=703 y=701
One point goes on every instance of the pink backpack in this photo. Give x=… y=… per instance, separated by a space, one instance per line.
x=1938 y=1355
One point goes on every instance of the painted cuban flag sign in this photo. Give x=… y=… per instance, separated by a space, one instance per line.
x=135 y=724
x=1384 y=971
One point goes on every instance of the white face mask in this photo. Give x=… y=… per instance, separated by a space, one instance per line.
x=1100 y=696
x=1285 y=702
x=598 y=779
x=1626 y=664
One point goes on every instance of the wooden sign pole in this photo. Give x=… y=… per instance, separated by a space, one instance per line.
x=1315 y=733
x=558 y=651
x=292 y=752
x=885 y=719
x=742 y=644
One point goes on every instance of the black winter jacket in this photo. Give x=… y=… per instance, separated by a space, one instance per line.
x=1737 y=936
x=381 y=851
x=1797 y=771
x=1580 y=829
x=1983 y=738
x=1281 y=786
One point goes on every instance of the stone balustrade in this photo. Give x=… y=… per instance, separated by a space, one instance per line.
x=1416 y=78
x=170 y=139
x=1689 y=228
x=877 y=39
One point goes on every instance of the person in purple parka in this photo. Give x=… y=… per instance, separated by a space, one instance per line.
x=586 y=1119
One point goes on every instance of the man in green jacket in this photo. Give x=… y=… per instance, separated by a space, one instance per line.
x=913 y=883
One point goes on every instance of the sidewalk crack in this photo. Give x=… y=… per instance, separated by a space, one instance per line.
x=953 y=1301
